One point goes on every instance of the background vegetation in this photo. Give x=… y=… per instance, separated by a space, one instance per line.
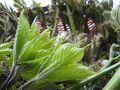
x=33 y=56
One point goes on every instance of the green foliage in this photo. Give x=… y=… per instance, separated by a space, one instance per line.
x=115 y=19
x=70 y=72
x=114 y=82
x=31 y=46
x=21 y=34
x=20 y=4
x=1 y=71
x=42 y=86
x=45 y=62
x=8 y=23
x=46 y=58
x=5 y=45
x=4 y=49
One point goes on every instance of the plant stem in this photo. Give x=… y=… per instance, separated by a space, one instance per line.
x=108 y=64
x=56 y=21
x=93 y=77
x=4 y=85
x=53 y=3
x=38 y=77
x=44 y=73
x=111 y=59
x=14 y=69
x=114 y=83
x=111 y=52
x=72 y=24
x=27 y=83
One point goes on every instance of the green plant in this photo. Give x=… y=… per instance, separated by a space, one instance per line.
x=41 y=58
x=114 y=22
x=42 y=61
x=114 y=55
x=5 y=51
x=94 y=77
x=8 y=23
x=114 y=83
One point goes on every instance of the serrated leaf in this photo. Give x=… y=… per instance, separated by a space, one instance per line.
x=41 y=58
x=42 y=53
x=34 y=65
x=59 y=41
x=34 y=31
x=48 y=45
x=33 y=68
x=67 y=51
x=22 y=33
x=31 y=49
x=65 y=54
x=44 y=38
x=25 y=53
x=70 y=72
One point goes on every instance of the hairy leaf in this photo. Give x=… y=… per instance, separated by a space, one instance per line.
x=31 y=49
x=70 y=72
x=65 y=54
x=43 y=59
x=33 y=66
x=22 y=33
x=34 y=31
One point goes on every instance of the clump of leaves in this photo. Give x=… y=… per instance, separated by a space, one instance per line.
x=115 y=20
x=42 y=58
x=8 y=23
x=5 y=51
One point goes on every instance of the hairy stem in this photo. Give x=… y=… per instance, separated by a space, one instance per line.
x=27 y=83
